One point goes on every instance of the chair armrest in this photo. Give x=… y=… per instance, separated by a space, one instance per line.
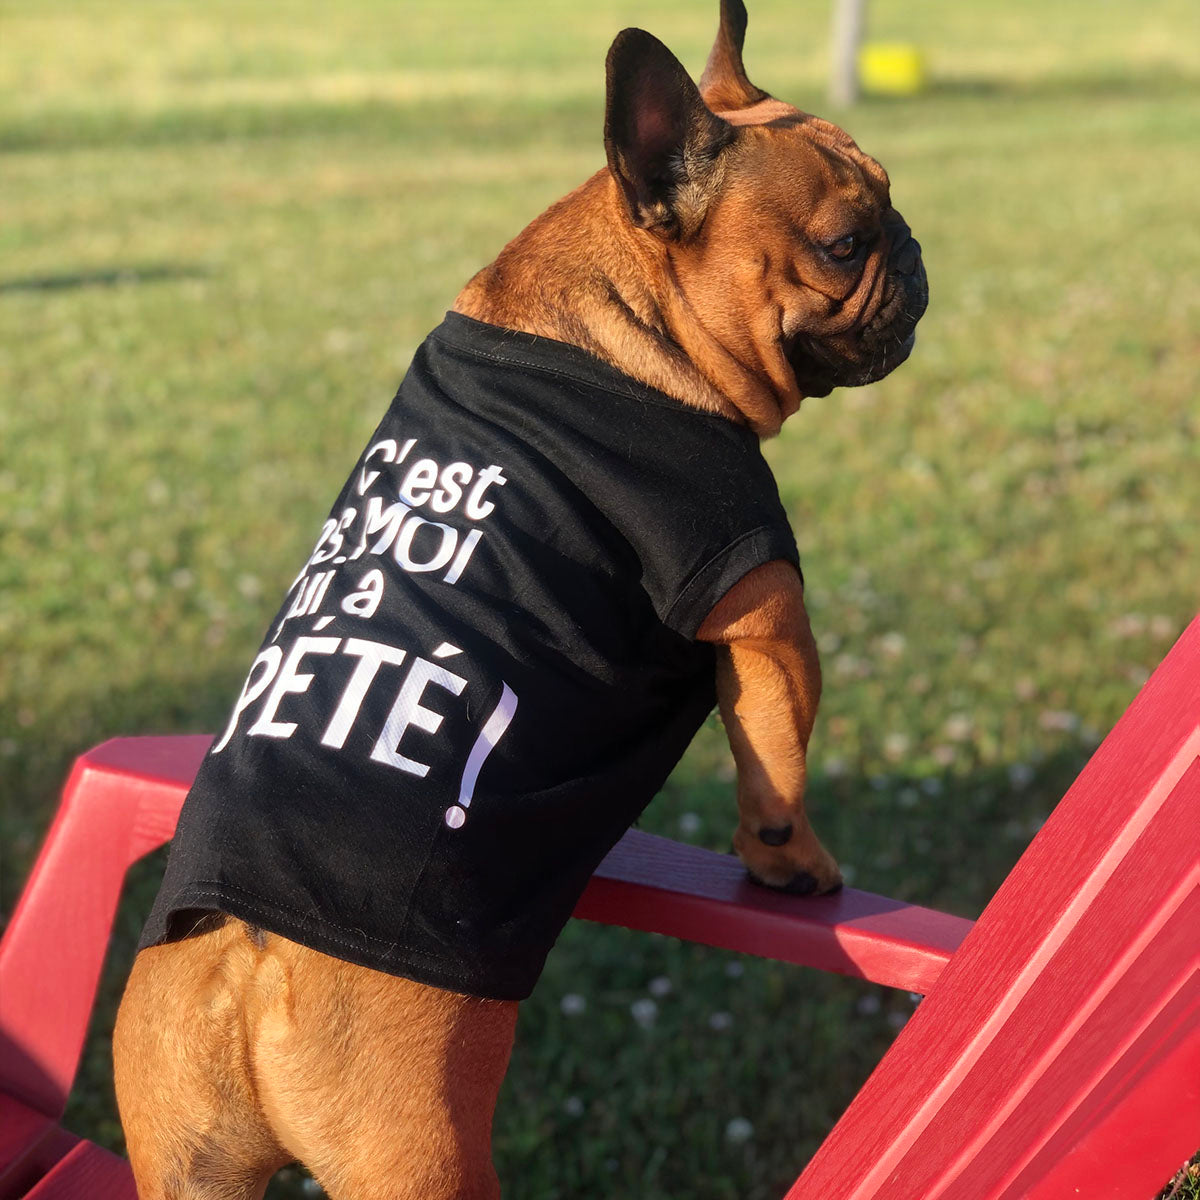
x=122 y=801
x=660 y=886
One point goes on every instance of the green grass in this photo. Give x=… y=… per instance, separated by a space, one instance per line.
x=1186 y=1184
x=223 y=230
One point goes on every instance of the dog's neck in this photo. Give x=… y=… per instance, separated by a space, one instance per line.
x=582 y=274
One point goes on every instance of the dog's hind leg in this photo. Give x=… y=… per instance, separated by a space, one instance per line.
x=384 y=1088
x=188 y=1101
x=236 y=1053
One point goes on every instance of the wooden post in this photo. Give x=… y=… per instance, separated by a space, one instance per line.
x=849 y=17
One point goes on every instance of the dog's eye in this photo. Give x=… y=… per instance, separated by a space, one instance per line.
x=844 y=248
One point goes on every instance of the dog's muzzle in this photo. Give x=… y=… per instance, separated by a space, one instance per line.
x=888 y=339
x=883 y=342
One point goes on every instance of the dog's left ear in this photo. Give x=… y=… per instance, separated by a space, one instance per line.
x=724 y=84
x=663 y=142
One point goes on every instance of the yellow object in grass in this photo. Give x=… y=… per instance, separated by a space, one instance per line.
x=892 y=69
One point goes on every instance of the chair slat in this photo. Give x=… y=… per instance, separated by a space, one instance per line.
x=1040 y=1022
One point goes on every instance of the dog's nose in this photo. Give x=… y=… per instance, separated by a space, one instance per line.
x=906 y=253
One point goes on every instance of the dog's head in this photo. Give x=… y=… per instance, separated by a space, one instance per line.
x=780 y=231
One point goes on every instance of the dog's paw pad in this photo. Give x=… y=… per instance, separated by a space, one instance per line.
x=801 y=884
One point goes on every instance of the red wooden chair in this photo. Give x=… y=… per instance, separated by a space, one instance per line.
x=1061 y=1042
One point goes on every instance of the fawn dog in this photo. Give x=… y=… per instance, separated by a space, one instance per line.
x=333 y=968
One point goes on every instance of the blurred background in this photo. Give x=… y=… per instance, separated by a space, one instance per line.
x=225 y=227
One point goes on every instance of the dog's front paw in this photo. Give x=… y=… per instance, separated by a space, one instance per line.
x=788 y=859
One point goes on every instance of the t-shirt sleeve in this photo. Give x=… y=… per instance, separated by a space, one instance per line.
x=711 y=581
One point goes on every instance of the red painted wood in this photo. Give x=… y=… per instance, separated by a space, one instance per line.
x=20 y=1128
x=1065 y=1034
x=657 y=885
x=30 y=1144
x=1153 y=1103
x=1079 y=1016
x=120 y=802
x=86 y=1171
x=1074 y=989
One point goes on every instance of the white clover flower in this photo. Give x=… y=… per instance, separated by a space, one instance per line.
x=718 y=1022
x=739 y=1130
x=1128 y=626
x=828 y=642
x=572 y=1004
x=573 y=1106
x=644 y=1012
x=659 y=986
x=1058 y=721
x=1162 y=627
x=689 y=824
x=735 y=969
x=1020 y=775
x=958 y=727
x=868 y=1005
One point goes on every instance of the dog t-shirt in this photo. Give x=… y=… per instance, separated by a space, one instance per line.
x=485 y=670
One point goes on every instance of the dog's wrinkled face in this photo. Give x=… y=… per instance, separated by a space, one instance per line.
x=780 y=231
x=825 y=253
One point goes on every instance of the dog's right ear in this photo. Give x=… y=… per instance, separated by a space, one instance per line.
x=663 y=142
x=724 y=84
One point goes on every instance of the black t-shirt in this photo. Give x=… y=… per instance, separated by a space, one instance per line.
x=485 y=670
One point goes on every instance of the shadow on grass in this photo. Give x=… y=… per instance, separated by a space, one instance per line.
x=1165 y=86
x=109 y=277
x=480 y=126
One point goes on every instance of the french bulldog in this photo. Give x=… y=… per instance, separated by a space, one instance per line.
x=558 y=549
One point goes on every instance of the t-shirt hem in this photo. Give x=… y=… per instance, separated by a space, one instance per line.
x=347 y=945
x=708 y=584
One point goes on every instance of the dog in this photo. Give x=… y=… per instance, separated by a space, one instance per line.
x=560 y=547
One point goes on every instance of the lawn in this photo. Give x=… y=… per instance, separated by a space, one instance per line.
x=225 y=227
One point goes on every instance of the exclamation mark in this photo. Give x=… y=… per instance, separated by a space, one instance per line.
x=485 y=743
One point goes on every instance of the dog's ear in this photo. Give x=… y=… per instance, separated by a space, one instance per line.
x=724 y=84
x=663 y=142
